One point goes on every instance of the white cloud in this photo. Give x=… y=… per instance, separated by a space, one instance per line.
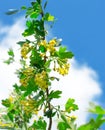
x=81 y=83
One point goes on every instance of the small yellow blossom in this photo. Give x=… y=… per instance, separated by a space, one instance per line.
x=51 y=46
x=29 y=106
x=25 y=50
x=73 y=117
x=44 y=43
x=70 y=118
x=52 y=42
x=63 y=70
x=11 y=99
x=41 y=80
x=28 y=73
x=23 y=81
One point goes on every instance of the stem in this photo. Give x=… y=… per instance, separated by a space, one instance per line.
x=25 y=125
x=47 y=91
x=24 y=121
x=49 y=107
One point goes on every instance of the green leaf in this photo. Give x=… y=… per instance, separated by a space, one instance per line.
x=42 y=49
x=39 y=1
x=21 y=43
x=10 y=115
x=63 y=53
x=63 y=118
x=12 y=11
x=92 y=125
x=62 y=49
x=96 y=109
x=53 y=78
x=34 y=15
x=11 y=53
x=9 y=61
x=28 y=23
x=23 y=7
x=62 y=126
x=48 y=17
x=70 y=105
x=45 y=4
x=28 y=32
x=47 y=64
x=6 y=103
x=49 y=113
x=31 y=87
x=55 y=94
x=36 y=59
x=85 y=127
x=39 y=125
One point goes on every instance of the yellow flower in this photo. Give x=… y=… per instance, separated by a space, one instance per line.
x=51 y=46
x=63 y=70
x=25 y=50
x=23 y=82
x=41 y=80
x=29 y=106
x=52 y=42
x=28 y=73
x=11 y=99
x=73 y=117
x=44 y=43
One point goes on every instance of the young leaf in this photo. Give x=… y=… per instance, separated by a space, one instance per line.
x=6 y=103
x=39 y=125
x=70 y=105
x=63 y=53
x=55 y=94
x=96 y=109
x=11 y=53
x=34 y=15
x=42 y=49
x=62 y=126
x=45 y=4
x=9 y=61
x=49 y=113
x=23 y=7
x=21 y=43
x=48 y=17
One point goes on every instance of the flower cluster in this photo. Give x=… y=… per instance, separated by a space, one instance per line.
x=63 y=70
x=41 y=80
x=29 y=106
x=26 y=75
x=50 y=46
x=25 y=50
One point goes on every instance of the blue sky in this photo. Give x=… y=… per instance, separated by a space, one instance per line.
x=81 y=25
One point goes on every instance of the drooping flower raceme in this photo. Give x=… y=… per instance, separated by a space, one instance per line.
x=41 y=79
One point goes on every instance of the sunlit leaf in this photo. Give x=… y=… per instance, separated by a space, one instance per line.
x=96 y=109
x=70 y=105
x=55 y=94
x=23 y=7
x=62 y=126
x=10 y=52
x=48 y=17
